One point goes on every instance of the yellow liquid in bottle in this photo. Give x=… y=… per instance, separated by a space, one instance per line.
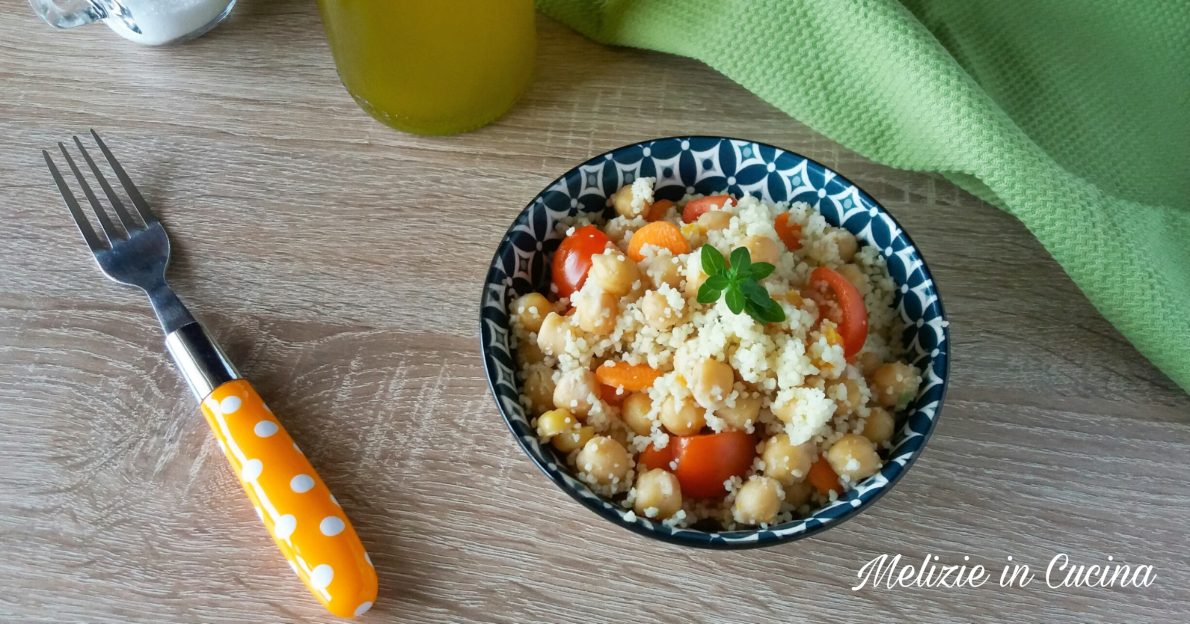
x=432 y=66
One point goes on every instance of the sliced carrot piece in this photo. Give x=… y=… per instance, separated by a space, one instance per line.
x=695 y=207
x=789 y=231
x=658 y=234
x=630 y=377
x=657 y=211
x=823 y=477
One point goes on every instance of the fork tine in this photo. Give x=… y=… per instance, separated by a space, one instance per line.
x=142 y=206
x=80 y=218
x=130 y=224
x=105 y=222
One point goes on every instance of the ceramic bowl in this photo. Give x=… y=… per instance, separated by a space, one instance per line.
x=709 y=165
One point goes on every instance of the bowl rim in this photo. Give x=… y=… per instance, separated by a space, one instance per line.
x=694 y=537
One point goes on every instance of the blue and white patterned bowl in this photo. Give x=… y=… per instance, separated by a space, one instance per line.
x=708 y=165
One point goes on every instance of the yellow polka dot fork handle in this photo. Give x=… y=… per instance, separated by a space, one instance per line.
x=305 y=520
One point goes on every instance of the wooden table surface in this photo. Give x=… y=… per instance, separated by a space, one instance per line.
x=340 y=263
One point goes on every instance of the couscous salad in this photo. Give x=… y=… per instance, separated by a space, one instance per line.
x=719 y=361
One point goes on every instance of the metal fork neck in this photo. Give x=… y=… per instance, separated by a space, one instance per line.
x=171 y=312
x=201 y=362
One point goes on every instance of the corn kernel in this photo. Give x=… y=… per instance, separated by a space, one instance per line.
x=832 y=336
x=575 y=439
x=555 y=422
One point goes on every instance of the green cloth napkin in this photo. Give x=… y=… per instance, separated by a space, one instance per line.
x=1072 y=116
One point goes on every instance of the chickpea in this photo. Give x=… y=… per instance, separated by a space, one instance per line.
x=694 y=233
x=712 y=383
x=844 y=242
x=694 y=276
x=658 y=313
x=814 y=381
x=786 y=462
x=792 y=410
x=574 y=439
x=614 y=272
x=555 y=422
x=539 y=389
x=746 y=408
x=622 y=201
x=596 y=310
x=852 y=397
x=528 y=353
x=757 y=501
x=763 y=249
x=868 y=362
x=553 y=334
x=662 y=269
x=714 y=220
x=894 y=383
x=635 y=413
x=618 y=431
x=620 y=229
x=658 y=494
x=853 y=457
x=786 y=412
x=529 y=310
x=682 y=417
x=798 y=493
x=855 y=275
x=879 y=426
x=577 y=391
x=604 y=460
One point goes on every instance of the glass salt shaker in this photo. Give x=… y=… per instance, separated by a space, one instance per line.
x=148 y=22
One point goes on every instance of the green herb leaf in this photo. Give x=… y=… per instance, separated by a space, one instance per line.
x=765 y=313
x=741 y=283
x=761 y=270
x=712 y=261
x=755 y=292
x=735 y=298
x=718 y=282
x=773 y=312
x=707 y=293
x=755 y=311
x=741 y=261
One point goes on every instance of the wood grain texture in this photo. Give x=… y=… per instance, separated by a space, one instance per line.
x=356 y=255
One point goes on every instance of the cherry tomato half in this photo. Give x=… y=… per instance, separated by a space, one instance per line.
x=657 y=211
x=572 y=261
x=706 y=461
x=611 y=395
x=840 y=301
x=652 y=458
x=696 y=207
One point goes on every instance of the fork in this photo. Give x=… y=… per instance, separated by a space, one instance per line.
x=305 y=520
